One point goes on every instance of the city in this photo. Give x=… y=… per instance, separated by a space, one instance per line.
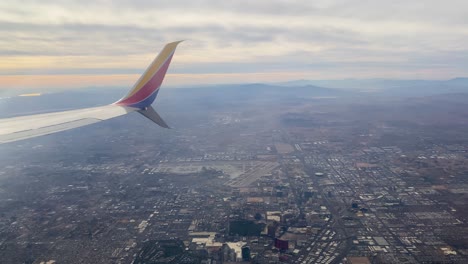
x=253 y=174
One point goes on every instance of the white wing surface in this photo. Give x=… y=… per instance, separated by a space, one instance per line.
x=23 y=127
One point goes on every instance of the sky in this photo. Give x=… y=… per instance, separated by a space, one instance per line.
x=70 y=44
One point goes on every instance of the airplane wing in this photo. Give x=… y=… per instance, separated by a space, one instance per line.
x=23 y=127
x=139 y=99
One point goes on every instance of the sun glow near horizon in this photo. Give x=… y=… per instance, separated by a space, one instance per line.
x=101 y=43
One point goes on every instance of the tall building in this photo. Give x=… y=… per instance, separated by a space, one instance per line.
x=245 y=253
x=281 y=244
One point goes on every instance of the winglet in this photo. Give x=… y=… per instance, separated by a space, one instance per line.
x=146 y=88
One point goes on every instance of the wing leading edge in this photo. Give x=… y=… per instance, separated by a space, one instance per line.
x=139 y=99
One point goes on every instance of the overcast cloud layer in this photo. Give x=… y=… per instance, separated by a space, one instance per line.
x=261 y=40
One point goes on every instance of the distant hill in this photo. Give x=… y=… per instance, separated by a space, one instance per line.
x=207 y=97
x=248 y=93
x=213 y=96
x=396 y=87
x=255 y=89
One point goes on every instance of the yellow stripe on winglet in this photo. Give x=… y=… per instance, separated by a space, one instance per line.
x=154 y=67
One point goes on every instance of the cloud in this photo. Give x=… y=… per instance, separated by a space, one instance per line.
x=337 y=38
